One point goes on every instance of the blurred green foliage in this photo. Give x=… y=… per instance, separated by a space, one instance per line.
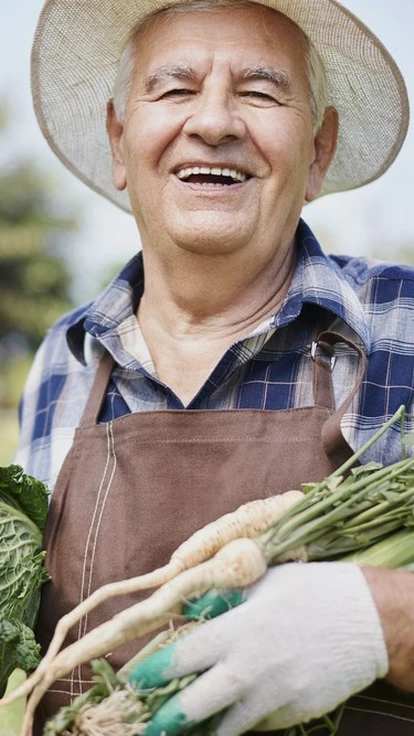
x=34 y=281
x=34 y=277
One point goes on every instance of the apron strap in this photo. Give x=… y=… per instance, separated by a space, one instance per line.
x=323 y=356
x=97 y=394
x=335 y=445
x=324 y=360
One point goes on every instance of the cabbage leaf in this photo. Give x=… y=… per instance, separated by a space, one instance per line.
x=23 y=511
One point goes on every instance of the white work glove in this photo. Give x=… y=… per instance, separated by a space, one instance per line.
x=306 y=639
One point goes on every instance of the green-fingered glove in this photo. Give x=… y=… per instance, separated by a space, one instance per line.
x=307 y=637
x=213 y=604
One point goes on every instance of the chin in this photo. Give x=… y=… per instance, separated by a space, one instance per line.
x=209 y=246
x=210 y=240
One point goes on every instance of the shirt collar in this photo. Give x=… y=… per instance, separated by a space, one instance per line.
x=317 y=280
x=118 y=302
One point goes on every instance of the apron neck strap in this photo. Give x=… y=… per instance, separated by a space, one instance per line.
x=335 y=444
x=324 y=360
x=98 y=391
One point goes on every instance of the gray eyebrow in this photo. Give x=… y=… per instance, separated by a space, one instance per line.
x=166 y=72
x=278 y=77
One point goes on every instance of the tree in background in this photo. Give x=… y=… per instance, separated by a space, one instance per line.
x=34 y=278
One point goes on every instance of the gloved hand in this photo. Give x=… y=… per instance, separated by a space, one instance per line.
x=307 y=637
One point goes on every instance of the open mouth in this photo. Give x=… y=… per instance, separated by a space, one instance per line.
x=212 y=176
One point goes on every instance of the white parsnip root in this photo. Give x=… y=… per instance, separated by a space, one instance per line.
x=237 y=565
x=247 y=521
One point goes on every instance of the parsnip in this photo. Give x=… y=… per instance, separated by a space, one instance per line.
x=247 y=521
x=237 y=565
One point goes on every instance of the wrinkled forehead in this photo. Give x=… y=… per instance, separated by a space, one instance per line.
x=237 y=22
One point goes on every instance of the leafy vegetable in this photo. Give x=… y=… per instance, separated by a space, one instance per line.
x=23 y=511
x=24 y=493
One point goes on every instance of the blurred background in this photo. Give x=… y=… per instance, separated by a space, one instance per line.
x=60 y=243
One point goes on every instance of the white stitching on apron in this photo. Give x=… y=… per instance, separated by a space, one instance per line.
x=108 y=488
x=82 y=596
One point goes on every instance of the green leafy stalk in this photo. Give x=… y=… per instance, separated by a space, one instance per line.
x=345 y=513
x=395 y=551
x=333 y=512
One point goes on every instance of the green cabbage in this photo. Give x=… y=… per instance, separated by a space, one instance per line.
x=23 y=511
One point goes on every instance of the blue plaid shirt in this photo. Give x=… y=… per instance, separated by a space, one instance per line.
x=372 y=302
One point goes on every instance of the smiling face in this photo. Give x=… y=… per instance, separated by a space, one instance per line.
x=217 y=147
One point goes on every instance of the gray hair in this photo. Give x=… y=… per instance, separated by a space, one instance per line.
x=122 y=86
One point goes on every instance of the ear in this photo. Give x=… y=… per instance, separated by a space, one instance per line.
x=115 y=131
x=325 y=146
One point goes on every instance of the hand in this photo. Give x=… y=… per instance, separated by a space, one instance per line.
x=306 y=639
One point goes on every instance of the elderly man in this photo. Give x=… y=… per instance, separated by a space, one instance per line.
x=197 y=381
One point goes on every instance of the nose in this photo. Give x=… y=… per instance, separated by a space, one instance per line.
x=215 y=118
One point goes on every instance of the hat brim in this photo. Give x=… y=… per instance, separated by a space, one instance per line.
x=75 y=56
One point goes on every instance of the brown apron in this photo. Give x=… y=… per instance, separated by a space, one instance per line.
x=131 y=490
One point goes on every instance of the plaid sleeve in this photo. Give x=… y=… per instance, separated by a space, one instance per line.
x=386 y=292
x=51 y=405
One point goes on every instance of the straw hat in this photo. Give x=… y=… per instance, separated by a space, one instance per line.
x=75 y=56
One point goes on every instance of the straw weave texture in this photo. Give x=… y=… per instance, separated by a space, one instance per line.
x=75 y=57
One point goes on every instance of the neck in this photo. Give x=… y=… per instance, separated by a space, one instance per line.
x=211 y=295
x=192 y=312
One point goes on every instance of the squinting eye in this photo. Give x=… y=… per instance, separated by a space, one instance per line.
x=178 y=92
x=259 y=96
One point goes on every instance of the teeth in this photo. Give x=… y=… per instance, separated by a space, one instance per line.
x=214 y=170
